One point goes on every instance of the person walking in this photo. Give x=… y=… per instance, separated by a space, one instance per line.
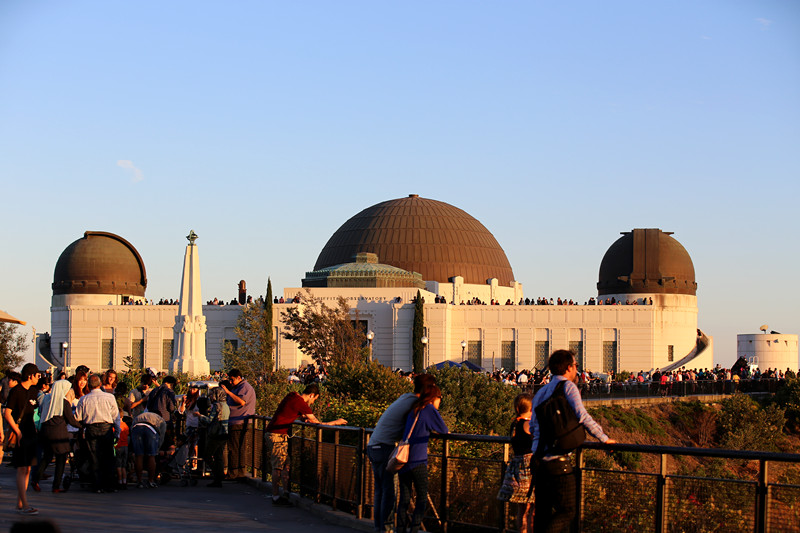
x=388 y=431
x=56 y=413
x=18 y=414
x=555 y=478
x=423 y=419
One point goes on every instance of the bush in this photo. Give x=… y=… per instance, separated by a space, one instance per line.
x=368 y=381
x=788 y=398
x=474 y=403
x=744 y=425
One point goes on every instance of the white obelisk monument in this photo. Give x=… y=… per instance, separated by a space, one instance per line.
x=189 y=332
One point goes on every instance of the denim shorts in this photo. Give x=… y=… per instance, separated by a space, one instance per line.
x=144 y=440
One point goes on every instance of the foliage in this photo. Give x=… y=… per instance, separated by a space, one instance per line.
x=743 y=425
x=473 y=403
x=253 y=353
x=418 y=333
x=369 y=381
x=788 y=398
x=696 y=420
x=271 y=389
x=12 y=347
x=358 y=412
x=623 y=376
x=632 y=420
x=329 y=335
x=269 y=336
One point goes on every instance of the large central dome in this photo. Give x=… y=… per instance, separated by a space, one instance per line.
x=421 y=235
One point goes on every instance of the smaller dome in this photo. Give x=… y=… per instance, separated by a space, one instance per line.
x=100 y=263
x=364 y=271
x=646 y=261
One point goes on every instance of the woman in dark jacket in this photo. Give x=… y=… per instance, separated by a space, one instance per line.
x=55 y=414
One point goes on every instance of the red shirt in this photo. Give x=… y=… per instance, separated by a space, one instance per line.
x=123 y=435
x=292 y=407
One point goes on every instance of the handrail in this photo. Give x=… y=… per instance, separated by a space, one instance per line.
x=335 y=470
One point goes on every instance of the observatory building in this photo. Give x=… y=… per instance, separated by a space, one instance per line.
x=769 y=350
x=378 y=260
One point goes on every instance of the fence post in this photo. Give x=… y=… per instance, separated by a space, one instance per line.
x=579 y=462
x=362 y=436
x=444 y=500
x=335 y=465
x=264 y=452
x=762 y=501
x=317 y=474
x=253 y=445
x=661 y=496
x=504 y=505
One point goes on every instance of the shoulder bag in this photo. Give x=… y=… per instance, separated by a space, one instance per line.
x=399 y=456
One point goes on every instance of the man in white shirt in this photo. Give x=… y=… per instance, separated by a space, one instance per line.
x=98 y=413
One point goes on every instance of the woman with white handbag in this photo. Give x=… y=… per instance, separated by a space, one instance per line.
x=422 y=420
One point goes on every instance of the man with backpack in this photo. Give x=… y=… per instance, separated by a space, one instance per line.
x=559 y=426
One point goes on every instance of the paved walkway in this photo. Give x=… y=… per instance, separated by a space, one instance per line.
x=235 y=507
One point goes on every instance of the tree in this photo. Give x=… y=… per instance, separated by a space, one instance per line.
x=329 y=335
x=252 y=354
x=419 y=331
x=269 y=337
x=12 y=346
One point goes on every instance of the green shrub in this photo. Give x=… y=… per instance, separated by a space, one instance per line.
x=788 y=398
x=744 y=425
x=368 y=381
x=474 y=403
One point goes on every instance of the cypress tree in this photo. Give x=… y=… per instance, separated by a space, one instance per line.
x=268 y=334
x=418 y=333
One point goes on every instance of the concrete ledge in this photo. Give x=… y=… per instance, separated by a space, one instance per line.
x=326 y=512
x=649 y=400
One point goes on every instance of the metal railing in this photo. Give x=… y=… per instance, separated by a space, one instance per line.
x=600 y=390
x=662 y=489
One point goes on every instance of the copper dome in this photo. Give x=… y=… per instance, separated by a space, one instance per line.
x=646 y=261
x=421 y=235
x=100 y=263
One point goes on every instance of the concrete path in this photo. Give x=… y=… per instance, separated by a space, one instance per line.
x=235 y=507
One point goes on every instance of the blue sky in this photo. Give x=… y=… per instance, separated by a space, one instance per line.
x=264 y=126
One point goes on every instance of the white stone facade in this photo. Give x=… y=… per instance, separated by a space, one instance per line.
x=769 y=350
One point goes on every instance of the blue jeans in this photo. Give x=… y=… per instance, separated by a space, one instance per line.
x=384 y=500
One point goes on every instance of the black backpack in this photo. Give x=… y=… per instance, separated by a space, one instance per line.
x=559 y=429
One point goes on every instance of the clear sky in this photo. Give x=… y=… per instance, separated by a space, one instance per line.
x=265 y=125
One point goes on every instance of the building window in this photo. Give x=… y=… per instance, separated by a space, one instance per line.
x=507 y=359
x=137 y=353
x=670 y=353
x=166 y=353
x=541 y=354
x=474 y=349
x=610 y=357
x=107 y=354
x=577 y=348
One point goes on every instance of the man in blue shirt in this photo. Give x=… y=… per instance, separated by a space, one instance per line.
x=555 y=478
x=242 y=401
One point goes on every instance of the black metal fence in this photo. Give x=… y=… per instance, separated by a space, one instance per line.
x=662 y=489
x=602 y=390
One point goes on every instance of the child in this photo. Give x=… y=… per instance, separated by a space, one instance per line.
x=122 y=453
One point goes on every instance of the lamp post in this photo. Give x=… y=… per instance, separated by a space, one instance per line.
x=424 y=341
x=463 y=349
x=64 y=347
x=370 y=336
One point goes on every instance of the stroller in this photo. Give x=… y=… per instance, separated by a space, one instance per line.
x=178 y=464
